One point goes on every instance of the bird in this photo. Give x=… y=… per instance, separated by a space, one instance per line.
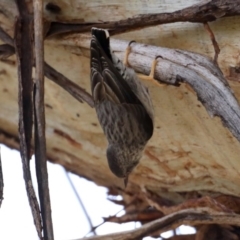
x=123 y=105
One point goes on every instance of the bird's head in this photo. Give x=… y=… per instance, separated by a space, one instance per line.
x=122 y=161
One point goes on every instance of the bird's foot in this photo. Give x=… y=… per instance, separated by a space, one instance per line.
x=150 y=77
x=127 y=52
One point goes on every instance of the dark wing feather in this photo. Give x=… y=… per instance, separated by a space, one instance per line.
x=142 y=119
x=125 y=123
x=104 y=72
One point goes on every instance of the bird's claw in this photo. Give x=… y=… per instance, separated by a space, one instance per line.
x=151 y=75
x=127 y=52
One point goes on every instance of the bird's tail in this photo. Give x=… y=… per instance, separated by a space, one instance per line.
x=102 y=37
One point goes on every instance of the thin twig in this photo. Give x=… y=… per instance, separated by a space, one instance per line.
x=104 y=221
x=136 y=216
x=108 y=219
x=214 y=42
x=76 y=91
x=39 y=123
x=24 y=53
x=80 y=202
x=198 y=13
x=1 y=180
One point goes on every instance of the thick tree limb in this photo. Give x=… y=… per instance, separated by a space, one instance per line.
x=1 y=180
x=39 y=123
x=76 y=91
x=178 y=66
x=23 y=47
x=188 y=217
x=198 y=13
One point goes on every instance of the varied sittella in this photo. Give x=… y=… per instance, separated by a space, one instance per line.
x=123 y=105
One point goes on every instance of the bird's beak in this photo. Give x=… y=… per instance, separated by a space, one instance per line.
x=126 y=181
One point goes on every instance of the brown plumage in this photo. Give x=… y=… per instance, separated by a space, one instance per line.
x=123 y=106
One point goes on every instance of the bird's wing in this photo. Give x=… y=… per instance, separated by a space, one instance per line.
x=139 y=89
x=129 y=121
x=106 y=81
x=142 y=119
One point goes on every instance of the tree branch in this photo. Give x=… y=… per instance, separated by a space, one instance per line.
x=188 y=217
x=77 y=92
x=214 y=42
x=24 y=53
x=39 y=123
x=198 y=13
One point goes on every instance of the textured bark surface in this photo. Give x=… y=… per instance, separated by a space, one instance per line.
x=192 y=153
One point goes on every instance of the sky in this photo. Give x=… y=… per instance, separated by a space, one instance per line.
x=69 y=221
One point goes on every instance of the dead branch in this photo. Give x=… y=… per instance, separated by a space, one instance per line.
x=39 y=123
x=104 y=221
x=198 y=13
x=1 y=180
x=76 y=91
x=24 y=53
x=188 y=217
x=214 y=42
x=142 y=216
